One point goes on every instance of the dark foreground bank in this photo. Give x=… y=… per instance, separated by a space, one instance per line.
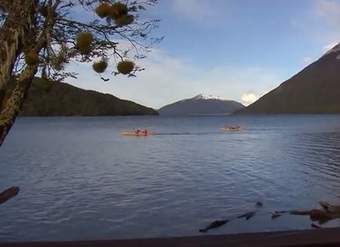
x=308 y=238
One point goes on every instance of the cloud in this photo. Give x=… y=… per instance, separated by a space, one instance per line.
x=248 y=98
x=168 y=79
x=329 y=10
x=325 y=22
x=201 y=11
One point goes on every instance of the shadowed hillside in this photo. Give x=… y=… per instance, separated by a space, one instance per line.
x=61 y=99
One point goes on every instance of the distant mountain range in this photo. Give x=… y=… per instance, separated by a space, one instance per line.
x=316 y=89
x=61 y=99
x=201 y=105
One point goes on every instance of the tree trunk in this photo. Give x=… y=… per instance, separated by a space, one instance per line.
x=16 y=33
x=13 y=103
x=15 y=30
x=5 y=4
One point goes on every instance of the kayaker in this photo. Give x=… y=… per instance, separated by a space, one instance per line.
x=137 y=132
x=145 y=132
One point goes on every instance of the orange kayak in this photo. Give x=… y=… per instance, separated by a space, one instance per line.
x=236 y=128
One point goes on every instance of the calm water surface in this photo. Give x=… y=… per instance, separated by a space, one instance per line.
x=81 y=180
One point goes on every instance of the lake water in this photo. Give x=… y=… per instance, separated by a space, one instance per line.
x=81 y=180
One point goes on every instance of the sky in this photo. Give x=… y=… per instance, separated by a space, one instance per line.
x=234 y=49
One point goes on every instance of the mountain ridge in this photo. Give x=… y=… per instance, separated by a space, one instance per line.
x=200 y=105
x=46 y=98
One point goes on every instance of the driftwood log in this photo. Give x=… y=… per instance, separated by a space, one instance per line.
x=8 y=194
x=327 y=213
x=215 y=224
x=219 y=223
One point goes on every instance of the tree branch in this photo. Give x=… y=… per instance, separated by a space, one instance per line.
x=28 y=27
x=8 y=194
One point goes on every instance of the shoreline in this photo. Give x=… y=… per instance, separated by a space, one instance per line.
x=300 y=238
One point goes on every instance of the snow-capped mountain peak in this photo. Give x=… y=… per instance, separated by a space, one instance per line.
x=206 y=97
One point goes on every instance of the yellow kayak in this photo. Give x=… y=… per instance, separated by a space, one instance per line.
x=134 y=133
